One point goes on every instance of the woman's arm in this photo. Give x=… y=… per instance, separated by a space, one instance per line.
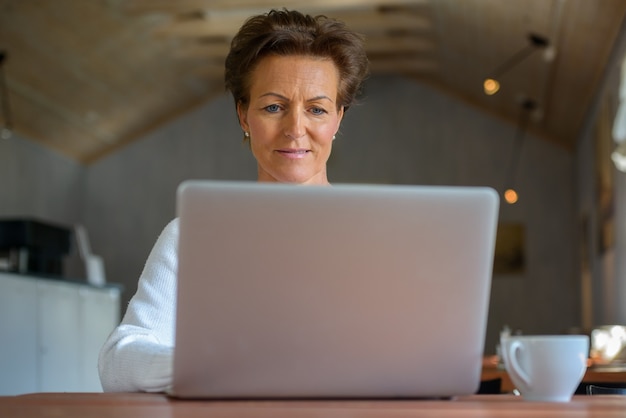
x=138 y=354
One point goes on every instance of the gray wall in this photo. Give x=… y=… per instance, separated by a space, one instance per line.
x=38 y=183
x=402 y=132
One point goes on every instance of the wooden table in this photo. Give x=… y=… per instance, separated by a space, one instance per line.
x=142 y=405
x=594 y=374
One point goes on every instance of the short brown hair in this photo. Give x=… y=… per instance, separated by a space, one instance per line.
x=288 y=32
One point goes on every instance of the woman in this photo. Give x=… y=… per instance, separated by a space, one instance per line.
x=292 y=76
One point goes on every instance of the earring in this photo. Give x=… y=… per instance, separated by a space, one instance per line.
x=334 y=137
x=246 y=136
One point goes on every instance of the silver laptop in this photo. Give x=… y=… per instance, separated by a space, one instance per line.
x=348 y=291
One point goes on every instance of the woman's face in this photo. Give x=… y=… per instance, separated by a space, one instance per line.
x=292 y=117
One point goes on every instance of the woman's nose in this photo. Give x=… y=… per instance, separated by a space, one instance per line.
x=294 y=124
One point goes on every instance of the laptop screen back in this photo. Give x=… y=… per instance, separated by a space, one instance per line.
x=349 y=291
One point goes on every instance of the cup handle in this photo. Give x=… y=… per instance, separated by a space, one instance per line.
x=514 y=349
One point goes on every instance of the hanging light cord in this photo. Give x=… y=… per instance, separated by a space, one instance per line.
x=527 y=106
x=491 y=84
x=536 y=42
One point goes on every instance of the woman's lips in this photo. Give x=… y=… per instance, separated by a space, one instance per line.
x=293 y=153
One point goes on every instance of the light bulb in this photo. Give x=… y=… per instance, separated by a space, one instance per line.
x=491 y=86
x=510 y=196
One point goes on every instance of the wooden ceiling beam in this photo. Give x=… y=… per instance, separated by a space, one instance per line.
x=374 y=22
x=47 y=106
x=200 y=51
x=253 y=6
x=380 y=44
x=403 y=65
x=214 y=72
x=364 y=22
x=200 y=27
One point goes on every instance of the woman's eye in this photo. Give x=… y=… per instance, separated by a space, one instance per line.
x=318 y=111
x=273 y=108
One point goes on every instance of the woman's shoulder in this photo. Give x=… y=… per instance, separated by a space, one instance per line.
x=172 y=226
x=169 y=235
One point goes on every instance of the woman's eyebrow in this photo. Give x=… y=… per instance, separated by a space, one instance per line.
x=321 y=98
x=313 y=99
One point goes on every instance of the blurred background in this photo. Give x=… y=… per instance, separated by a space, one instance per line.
x=107 y=105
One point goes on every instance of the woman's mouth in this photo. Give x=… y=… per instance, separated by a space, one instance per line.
x=293 y=153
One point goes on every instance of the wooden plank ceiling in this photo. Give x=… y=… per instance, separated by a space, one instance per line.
x=86 y=77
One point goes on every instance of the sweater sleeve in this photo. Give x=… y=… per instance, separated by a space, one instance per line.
x=137 y=355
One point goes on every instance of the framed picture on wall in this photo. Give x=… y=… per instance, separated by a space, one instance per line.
x=510 y=253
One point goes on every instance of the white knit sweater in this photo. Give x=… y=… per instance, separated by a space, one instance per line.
x=138 y=354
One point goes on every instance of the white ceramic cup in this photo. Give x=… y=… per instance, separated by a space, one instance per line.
x=545 y=368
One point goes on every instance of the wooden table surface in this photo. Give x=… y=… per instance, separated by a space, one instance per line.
x=143 y=405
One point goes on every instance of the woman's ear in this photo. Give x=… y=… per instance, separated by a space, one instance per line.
x=340 y=113
x=242 y=114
